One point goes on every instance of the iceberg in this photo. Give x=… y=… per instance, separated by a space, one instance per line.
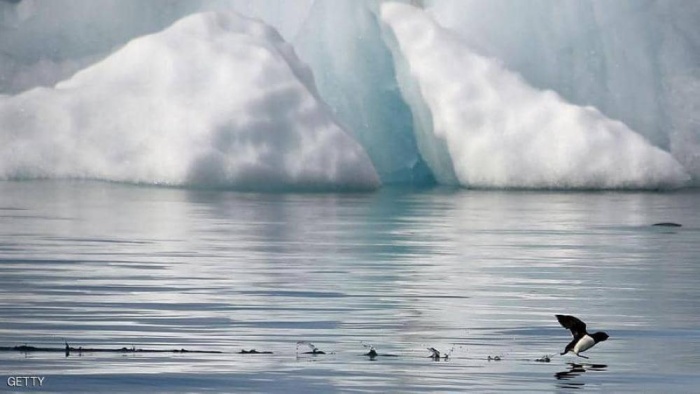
x=482 y=125
x=354 y=71
x=45 y=42
x=626 y=71
x=636 y=61
x=215 y=100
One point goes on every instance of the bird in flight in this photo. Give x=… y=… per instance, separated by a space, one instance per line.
x=582 y=339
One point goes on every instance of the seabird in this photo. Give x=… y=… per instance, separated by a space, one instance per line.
x=582 y=339
x=437 y=356
x=314 y=349
x=373 y=354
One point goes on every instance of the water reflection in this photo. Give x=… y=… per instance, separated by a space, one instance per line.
x=408 y=271
x=569 y=379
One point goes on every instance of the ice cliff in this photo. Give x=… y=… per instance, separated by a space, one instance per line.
x=215 y=100
x=485 y=93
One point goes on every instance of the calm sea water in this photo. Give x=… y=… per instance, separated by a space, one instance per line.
x=483 y=272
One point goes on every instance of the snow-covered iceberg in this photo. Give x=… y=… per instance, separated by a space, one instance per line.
x=215 y=100
x=481 y=125
x=636 y=61
x=629 y=60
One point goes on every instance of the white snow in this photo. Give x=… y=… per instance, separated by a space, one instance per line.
x=501 y=132
x=216 y=100
x=629 y=60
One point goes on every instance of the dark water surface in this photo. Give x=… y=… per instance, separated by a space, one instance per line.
x=483 y=272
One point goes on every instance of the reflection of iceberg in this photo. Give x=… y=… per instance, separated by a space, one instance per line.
x=215 y=100
x=482 y=125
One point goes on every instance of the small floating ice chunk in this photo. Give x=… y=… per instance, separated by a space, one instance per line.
x=667 y=224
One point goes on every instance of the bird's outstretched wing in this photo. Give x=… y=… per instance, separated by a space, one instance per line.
x=309 y=344
x=576 y=326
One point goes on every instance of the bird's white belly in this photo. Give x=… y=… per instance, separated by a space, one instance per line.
x=584 y=344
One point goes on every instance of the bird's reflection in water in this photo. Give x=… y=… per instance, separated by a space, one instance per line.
x=567 y=379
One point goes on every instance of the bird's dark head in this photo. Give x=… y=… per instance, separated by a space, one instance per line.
x=600 y=336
